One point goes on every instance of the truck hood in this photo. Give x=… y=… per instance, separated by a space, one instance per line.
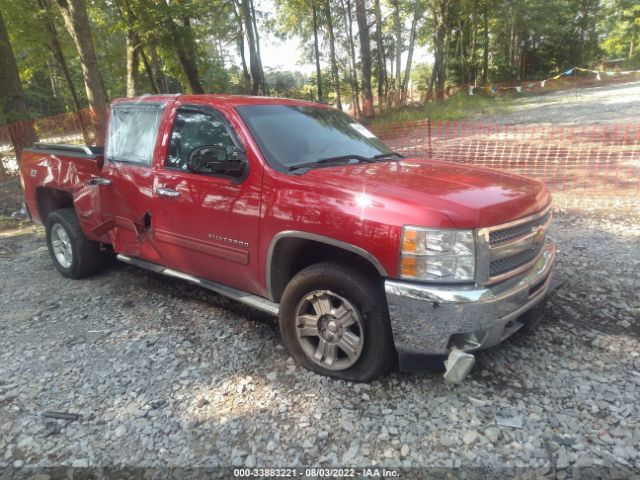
x=415 y=190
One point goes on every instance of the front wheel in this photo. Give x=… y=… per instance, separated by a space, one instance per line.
x=334 y=321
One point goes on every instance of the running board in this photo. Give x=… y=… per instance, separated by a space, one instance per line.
x=230 y=292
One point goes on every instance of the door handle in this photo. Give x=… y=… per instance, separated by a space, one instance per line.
x=167 y=192
x=99 y=181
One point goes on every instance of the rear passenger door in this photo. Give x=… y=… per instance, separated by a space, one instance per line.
x=205 y=223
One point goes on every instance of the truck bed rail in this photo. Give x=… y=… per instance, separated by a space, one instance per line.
x=67 y=149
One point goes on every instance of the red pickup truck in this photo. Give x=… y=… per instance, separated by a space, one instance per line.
x=367 y=257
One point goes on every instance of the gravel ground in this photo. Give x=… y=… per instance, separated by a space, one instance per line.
x=607 y=104
x=162 y=373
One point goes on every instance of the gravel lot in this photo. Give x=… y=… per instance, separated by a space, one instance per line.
x=162 y=373
x=607 y=104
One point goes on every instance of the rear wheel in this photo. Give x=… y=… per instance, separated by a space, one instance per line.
x=72 y=253
x=334 y=321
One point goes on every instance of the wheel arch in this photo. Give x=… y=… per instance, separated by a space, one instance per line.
x=291 y=251
x=49 y=199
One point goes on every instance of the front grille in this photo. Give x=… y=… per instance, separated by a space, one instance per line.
x=499 y=237
x=503 y=265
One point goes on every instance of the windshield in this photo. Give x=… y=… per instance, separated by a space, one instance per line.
x=290 y=135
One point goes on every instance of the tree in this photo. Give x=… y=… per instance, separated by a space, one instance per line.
x=440 y=15
x=380 y=77
x=622 y=20
x=239 y=36
x=348 y=21
x=185 y=45
x=13 y=106
x=485 y=43
x=398 y=45
x=47 y=15
x=183 y=40
x=77 y=22
x=417 y=14
x=332 y=53
x=259 y=86
x=316 y=50
x=365 y=58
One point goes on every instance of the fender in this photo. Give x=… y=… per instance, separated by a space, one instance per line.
x=321 y=239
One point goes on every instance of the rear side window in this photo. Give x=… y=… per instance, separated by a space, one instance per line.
x=133 y=130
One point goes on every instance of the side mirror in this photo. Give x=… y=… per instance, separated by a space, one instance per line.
x=214 y=159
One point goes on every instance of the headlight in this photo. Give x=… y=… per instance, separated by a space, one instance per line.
x=437 y=255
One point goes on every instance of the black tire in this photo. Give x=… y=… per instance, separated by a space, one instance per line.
x=378 y=354
x=86 y=257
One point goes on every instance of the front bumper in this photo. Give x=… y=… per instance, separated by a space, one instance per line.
x=431 y=320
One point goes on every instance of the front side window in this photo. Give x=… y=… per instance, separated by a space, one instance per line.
x=289 y=135
x=192 y=130
x=133 y=131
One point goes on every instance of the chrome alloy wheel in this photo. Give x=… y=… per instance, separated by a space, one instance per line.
x=329 y=329
x=61 y=244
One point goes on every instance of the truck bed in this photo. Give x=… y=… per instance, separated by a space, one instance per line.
x=56 y=175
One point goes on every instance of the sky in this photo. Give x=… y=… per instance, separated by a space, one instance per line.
x=285 y=54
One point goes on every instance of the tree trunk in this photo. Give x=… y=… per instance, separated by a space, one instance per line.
x=332 y=53
x=352 y=50
x=77 y=23
x=316 y=51
x=632 y=42
x=474 y=43
x=513 y=43
x=134 y=50
x=156 y=66
x=246 y=76
x=255 y=63
x=149 y=70
x=254 y=22
x=398 y=31
x=365 y=57
x=439 y=65
x=380 y=54
x=460 y=51
x=187 y=56
x=184 y=44
x=58 y=54
x=133 y=61
x=485 y=50
x=54 y=80
x=13 y=104
x=412 y=42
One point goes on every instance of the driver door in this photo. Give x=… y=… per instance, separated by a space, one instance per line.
x=206 y=224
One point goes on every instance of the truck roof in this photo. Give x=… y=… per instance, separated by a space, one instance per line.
x=231 y=100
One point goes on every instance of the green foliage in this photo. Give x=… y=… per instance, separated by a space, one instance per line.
x=622 y=22
x=526 y=39
x=44 y=89
x=288 y=84
x=456 y=107
x=420 y=76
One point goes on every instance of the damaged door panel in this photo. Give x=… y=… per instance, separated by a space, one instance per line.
x=126 y=181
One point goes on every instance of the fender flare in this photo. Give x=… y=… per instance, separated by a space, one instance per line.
x=321 y=239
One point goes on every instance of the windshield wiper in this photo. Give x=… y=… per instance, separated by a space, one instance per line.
x=331 y=160
x=383 y=156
